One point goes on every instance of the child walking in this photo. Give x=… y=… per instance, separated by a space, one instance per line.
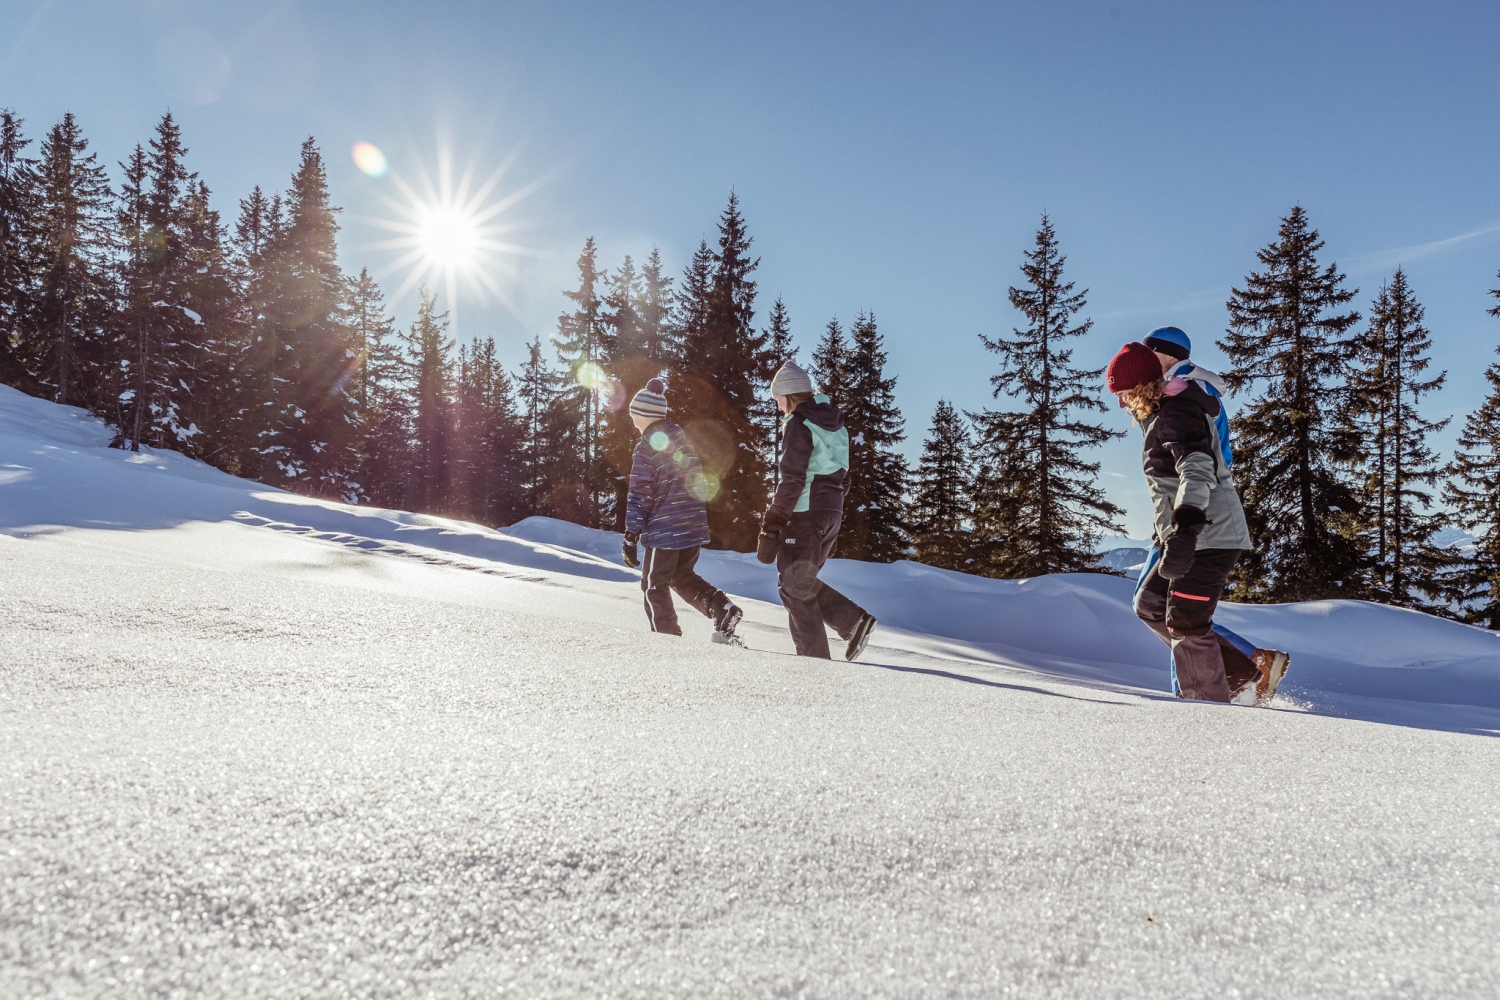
x=1200 y=525
x=802 y=524
x=667 y=510
x=1248 y=667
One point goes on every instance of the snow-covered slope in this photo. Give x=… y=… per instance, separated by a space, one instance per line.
x=1349 y=658
x=253 y=745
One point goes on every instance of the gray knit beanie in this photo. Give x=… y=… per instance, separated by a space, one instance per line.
x=650 y=402
x=790 y=380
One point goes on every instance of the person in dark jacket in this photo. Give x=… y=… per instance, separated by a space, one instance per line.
x=1200 y=525
x=667 y=509
x=802 y=524
x=1251 y=670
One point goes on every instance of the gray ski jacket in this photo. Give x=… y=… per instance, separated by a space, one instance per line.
x=1185 y=466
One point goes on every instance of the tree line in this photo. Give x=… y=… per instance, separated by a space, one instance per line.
x=247 y=346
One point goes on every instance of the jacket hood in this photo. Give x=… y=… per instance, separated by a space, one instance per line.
x=1197 y=373
x=821 y=411
x=1188 y=392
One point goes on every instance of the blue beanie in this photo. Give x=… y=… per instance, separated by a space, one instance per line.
x=1170 y=341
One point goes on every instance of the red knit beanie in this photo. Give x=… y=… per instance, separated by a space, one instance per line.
x=1136 y=365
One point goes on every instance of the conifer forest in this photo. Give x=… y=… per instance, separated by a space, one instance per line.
x=238 y=339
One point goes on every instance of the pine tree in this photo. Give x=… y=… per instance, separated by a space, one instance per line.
x=941 y=507
x=1400 y=472
x=690 y=307
x=779 y=350
x=629 y=365
x=830 y=363
x=1288 y=335
x=62 y=338
x=161 y=334
x=723 y=360
x=875 y=528
x=488 y=438
x=1038 y=505
x=653 y=310
x=307 y=439
x=430 y=350
x=258 y=430
x=1474 y=492
x=580 y=342
x=18 y=210
x=383 y=388
x=545 y=435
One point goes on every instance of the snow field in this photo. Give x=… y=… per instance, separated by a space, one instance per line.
x=318 y=751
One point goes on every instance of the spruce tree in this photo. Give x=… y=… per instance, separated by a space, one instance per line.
x=653 y=311
x=941 y=507
x=723 y=360
x=430 y=349
x=61 y=339
x=488 y=438
x=545 y=436
x=779 y=350
x=875 y=528
x=307 y=438
x=1288 y=337
x=1474 y=492
x=580 y=343
x=830 y=363
x=629 y=365
x=383 y=387
x=1399 y=471
x=18 y=209
x=1038 y=505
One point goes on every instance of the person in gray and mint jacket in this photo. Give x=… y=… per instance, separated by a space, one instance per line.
x=1200 y=525
x=667 y=509
x=802 y=524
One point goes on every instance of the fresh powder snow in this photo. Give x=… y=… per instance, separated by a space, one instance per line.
x=256 y=744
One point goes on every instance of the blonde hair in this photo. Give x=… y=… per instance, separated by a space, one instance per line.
x=1143 y=400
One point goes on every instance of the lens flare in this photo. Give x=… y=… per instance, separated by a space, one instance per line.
x=590 y=375
x=369 y=159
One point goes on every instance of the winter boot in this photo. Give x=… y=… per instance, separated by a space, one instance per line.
x=1272 y=664
x=724 y=622
x=860 y=637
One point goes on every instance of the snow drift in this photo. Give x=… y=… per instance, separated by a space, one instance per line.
x=1350 y=658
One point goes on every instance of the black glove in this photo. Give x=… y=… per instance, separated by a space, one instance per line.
x=771 y=526
x=1182 y=548
x=630 y=550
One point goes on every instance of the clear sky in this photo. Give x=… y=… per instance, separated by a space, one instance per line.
x=889 y=157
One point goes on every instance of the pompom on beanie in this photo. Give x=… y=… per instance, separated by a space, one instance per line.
x=1136 y=365
x=1170 y=341
x=650 y=402
x=790 y=380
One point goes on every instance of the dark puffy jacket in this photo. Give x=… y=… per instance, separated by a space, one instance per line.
x=1184 y=464
x=667 y=505
x=814 y=458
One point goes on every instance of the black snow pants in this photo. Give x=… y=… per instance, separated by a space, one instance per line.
x=806 y=544
x=1181 y=612
x=666 y=570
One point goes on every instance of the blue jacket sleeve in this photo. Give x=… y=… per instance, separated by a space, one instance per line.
x=641 y=503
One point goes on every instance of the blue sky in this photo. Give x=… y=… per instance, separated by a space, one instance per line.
x=890 y=157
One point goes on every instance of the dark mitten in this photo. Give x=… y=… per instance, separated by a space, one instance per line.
x=765 y=548
x=774 y=522
x=631 y=551
x=1182 y=548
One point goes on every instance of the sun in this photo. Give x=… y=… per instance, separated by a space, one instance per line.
x=448 y=238
x=448 y=231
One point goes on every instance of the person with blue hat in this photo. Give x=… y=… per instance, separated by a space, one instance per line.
x=1247 y=666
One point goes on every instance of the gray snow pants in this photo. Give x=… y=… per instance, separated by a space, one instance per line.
x=666 y=570
x=1181 y=612
x=806 y=543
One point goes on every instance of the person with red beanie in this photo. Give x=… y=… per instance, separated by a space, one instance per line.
x=1199 y=524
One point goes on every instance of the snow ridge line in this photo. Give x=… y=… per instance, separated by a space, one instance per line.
x=378 y=546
